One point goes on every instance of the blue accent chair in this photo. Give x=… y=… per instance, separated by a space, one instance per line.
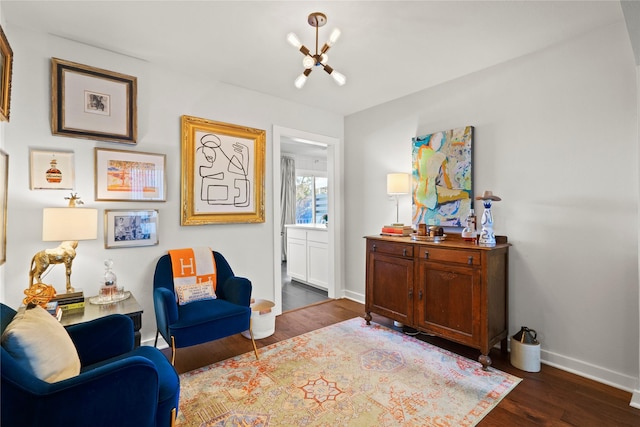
x=201 y=321
x=117 y=385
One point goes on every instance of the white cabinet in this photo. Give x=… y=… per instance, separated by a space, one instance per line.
x=308 y=255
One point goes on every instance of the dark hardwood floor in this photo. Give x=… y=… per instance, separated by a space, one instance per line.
x=296 y=294
x=551 y=397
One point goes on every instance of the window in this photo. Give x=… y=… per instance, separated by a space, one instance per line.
x=311 y=199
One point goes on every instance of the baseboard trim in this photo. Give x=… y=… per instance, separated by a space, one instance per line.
x=354 y=296
x=588 y=370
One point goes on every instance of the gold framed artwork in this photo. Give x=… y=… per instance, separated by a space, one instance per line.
x=6 y=68
x=223 y=168
x=91 y=103
x=130 y=228
x=51 y=170
x=4 y=188
x=129 y=176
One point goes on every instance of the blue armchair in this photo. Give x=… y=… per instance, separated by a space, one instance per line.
x=117 y=385
x=201 y=321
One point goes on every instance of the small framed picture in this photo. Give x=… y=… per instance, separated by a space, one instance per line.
x=130 y=228
x=129 y=176
x=51 y=170
x=6 y=67
x=91 y=103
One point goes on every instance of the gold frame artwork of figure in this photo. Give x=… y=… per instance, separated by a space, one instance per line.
x=223 y=168
x=92 y=103
x=6 y=68
x=133 y=176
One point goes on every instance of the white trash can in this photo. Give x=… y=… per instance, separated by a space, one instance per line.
x=263 y=320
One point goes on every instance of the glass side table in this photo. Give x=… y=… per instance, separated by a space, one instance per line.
x=129 y=307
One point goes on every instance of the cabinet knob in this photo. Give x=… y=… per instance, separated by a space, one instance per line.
x=420 y=294
x=410 y=293
x=426 y=254
x=404 y=252
x=470 y=260
x=373 y=248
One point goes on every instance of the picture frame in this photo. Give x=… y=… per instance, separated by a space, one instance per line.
x=122 y=175
x=223 y=167
x=4 y=190
x=92 y=103
x=130 y=228
x=6 y=70
x=51 y=170
x=442 y=191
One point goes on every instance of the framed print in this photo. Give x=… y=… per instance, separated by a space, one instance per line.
x=222 y=173
x=442 y=179
x=129 y=228
x=129 y=176
x=51 y=170
x=4 y=180
x=91 y=103
x=6 y=68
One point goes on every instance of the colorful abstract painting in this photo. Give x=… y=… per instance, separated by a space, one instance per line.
x=442 y=179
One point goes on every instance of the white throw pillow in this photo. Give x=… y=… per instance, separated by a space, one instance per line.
x=195 y=292
x=41 y=345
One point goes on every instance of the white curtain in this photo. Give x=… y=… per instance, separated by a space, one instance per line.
x=287 y=199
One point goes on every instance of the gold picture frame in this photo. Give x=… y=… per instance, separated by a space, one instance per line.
x=223 y=168
x=92 y=103
x=6 y=68
x=133 y=176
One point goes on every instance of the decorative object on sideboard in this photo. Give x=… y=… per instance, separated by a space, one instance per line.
x=123 y=175
x=68 y=225
x=470 y=233
x=487 y=237
x=442 y=174
x=223 y=167
x=51 y=170
x=92 y=103
x=398 y=184
x=6 y=64
x=319 y=59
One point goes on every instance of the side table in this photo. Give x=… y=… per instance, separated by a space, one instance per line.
x=128 y=307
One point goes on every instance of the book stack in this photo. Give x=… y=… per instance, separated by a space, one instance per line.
x=54 y=309
x=396 y=230
x=70 y=302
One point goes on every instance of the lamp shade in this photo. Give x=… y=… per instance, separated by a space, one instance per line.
x=398 y=183
x=72 y=223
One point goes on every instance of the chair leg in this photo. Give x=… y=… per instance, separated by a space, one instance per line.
x=173 y=417
x=255 y=349
x=173 y=351
x=155 y=344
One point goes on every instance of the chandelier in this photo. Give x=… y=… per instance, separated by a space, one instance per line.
x=319 y=59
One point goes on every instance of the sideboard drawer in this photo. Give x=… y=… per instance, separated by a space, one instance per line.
x=453 y=256
x=391 y=248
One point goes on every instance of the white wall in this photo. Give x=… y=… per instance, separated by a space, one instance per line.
x=555 y=137
x=163 y=96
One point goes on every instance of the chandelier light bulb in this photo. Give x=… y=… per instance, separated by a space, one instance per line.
x=308 y=62
x=294 y=40
x=324 y=58
x=335 y=35
x=300 y=81
x=339 y=78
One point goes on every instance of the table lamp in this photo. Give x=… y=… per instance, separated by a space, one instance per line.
x=67 y=225
x=397 y=185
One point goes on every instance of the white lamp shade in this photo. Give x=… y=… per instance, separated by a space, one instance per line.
x=398 y=183
x=60 y=224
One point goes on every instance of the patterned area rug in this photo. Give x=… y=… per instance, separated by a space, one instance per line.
x=347 y=374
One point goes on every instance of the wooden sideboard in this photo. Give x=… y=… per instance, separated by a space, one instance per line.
x=453 y=289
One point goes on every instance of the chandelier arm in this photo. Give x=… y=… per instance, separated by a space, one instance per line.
x=317 y=27
x=327 y=68
x=304 y=50
x=325 y=48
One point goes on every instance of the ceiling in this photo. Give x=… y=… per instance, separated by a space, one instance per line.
x=388 y=49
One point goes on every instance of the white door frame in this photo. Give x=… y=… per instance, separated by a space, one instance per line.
x=334 y=198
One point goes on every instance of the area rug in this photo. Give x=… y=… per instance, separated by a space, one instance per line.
x=347 y=374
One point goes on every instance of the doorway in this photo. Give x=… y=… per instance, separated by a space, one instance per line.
x=286 y=135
